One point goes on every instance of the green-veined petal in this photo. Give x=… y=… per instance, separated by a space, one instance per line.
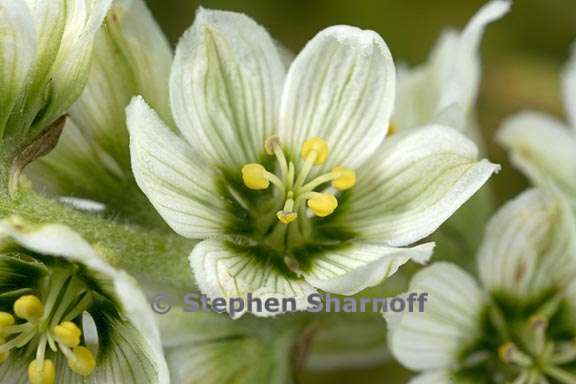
x=413 y=184
x=340 y=88
x=361 y=265
x=433 y=338
x=224 y=270
x=543 y=148
x=168 y=172
x=225 y=87
x=529 y=246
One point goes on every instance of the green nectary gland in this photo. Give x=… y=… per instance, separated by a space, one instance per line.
x=269 y=241
x=504 y=321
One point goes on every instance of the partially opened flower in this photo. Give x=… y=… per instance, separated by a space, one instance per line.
x=289 y=181
x=66 y=316
x=92 y=160
x=46 y=49
x=519 y=325
x=543 y=147
x=445 y=88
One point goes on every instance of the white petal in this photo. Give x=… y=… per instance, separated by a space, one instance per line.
x=451 y=77
x=131 y=57
x=181 y=188
x=17 y=52
x=137 y=338
x=341 y=88
x=352 y=269
x=543 y=148
x=569 y=87
x=225 y=87
x=15 y=369
x=222 y=271
x=433 y=338
x=529 y=246
x=415 y=182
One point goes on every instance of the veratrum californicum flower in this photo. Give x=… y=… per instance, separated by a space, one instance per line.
x=287 y=178
x=66 y=316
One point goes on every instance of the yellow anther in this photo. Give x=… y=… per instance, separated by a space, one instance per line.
x=68 y=334
x=392 y=128
x=6 y=320
x=254 y=176
x=317 y=145
x=323 y=204
x=346 y=178
x=506 y=352
x=82 y=362
x=3 y=355
x=286 y=217
x=29 y=308
x=270 y=143
x=44 y=374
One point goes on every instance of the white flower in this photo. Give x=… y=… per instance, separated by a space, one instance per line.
x=287 y=179
x=519 y=324
x=63 y=308
x=543 y=147
x=445 y=88
x=46 y=48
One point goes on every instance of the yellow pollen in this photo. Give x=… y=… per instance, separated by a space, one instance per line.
x=392 y=128
x=29 y=308
x=45 y=374
x=6 y=320
x=345 y=180
x=317 y=145
x=323 y=204
x=82 y=362
x=254 y=176
x=286 y=217
x=68 y=334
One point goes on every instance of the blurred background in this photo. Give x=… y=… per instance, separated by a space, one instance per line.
x=522 y=58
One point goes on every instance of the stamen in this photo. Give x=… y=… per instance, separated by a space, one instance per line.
x=43 y=373
x=68 y=334
x=272 y=147
x=82 y=361
x=254 y=176
x=346 y=178
x=286 y=215
x=510 y=354
x=538 y=324
x=3 y=355
x=317 y=148
x=392 y=128
x=29 y=308
x=322 y=204
x=6 y=321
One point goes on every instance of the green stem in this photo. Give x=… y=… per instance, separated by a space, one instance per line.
x=151 y=256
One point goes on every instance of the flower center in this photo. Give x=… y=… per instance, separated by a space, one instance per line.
x=49 y=323
x=293 y=187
